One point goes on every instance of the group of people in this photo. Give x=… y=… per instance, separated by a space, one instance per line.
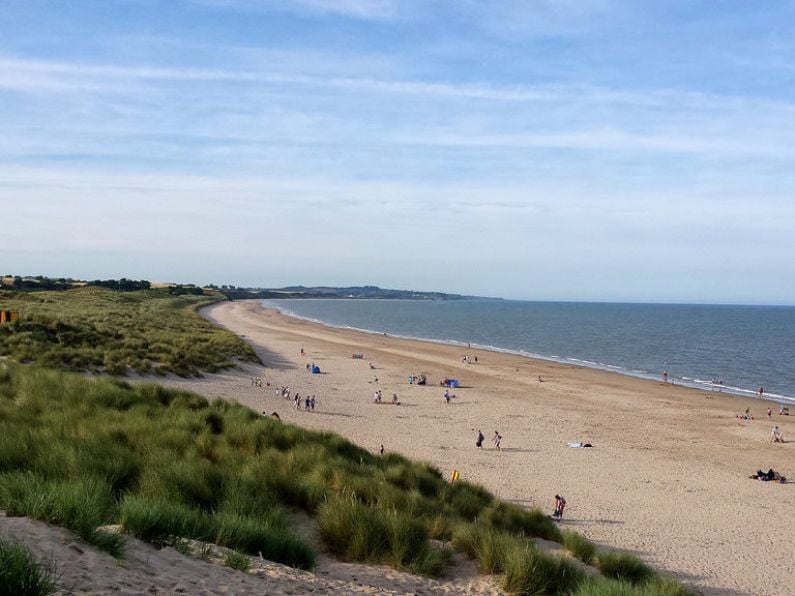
x=497 y=440
x=469 y=359
x=309 y=403
x=377 y=398
x=417 y=379
x=259 y=382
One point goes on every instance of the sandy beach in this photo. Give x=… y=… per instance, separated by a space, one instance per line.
x=667 y=477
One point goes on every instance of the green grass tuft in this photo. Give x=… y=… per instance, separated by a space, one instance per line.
x=79 y=505
x=529 y=571
x=579 y=546
x=21 y=574
x=516 y=520
x=625 y=566
x=237 y=561
x=358 y=532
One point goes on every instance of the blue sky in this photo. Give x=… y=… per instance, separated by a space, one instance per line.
x=539 y=149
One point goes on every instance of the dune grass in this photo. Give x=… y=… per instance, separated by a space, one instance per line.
x=21 y=574
x=579 y=546
x=610 y=587
x=237 y=561
x=168 y=465
x=102 y=330
x=625 y=567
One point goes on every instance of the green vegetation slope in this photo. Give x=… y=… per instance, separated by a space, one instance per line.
x=165 y=464
x=104 y=330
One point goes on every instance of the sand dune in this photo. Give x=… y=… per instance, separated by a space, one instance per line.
x=667 y=477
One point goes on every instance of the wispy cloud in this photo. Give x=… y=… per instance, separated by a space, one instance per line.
x=370 y=10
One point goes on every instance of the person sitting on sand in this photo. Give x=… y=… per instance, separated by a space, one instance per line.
x=776 y=435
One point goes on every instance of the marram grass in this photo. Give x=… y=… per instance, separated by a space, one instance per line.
x=170 y=465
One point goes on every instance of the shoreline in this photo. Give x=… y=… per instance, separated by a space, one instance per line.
x=704 y=386
x=667 y=478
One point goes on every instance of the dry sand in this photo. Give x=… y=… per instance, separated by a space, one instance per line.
x=667 y=478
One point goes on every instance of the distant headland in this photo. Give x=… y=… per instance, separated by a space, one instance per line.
x=39 y=282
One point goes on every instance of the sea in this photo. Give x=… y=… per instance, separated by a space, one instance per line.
x=733 y=349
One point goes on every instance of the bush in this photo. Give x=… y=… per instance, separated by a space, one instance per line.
x=21 y=574
x=624 y=566
x=529 y=571
x=579 y=546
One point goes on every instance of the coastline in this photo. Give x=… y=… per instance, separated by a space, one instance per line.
x=667 y=478
x=693 y=383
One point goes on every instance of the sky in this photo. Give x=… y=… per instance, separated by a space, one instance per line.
x=604 y=150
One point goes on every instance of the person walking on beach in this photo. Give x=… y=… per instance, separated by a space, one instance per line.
x=447 y=395
x=479 y=440
x=497 y=440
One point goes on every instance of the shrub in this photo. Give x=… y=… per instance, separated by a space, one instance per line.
x=579 y=546
x=21 y=574
x=624 y=566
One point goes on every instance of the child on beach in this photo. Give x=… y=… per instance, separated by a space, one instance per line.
x=497 y=440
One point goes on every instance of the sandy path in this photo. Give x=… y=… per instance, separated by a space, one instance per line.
x=667 y=478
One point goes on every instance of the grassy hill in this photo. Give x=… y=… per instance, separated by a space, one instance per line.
x=166 y=465
x=104 y=330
